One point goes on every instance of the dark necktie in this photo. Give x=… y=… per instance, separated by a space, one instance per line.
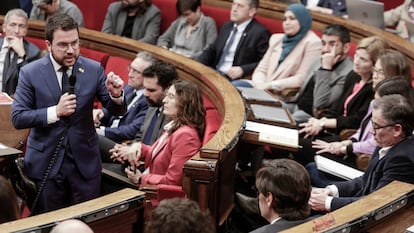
x=131 y=98
x=65 y=79
x=150 y=131
x=227 y=47
x=6 y=64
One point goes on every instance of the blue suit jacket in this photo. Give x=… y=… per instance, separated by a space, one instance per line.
x=130 y=123
x=10 y=80
x=250 y=49
x=38 y=89
x=397 y=164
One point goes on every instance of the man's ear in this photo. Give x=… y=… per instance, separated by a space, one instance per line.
x=398 y=131
x=269 y=199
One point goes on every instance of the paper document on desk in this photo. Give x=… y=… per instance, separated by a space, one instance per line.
x=275 y=134
x=337 y=169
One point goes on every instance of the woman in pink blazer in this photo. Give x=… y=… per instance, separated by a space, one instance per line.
x=291 y=55
x=164 y=160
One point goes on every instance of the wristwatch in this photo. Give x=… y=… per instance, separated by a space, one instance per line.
x=322 y=124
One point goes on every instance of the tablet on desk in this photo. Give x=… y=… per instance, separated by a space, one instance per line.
x=253 y=95
x=269 y=113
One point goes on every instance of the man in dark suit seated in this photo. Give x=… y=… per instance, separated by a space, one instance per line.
x=284 y=188
x=121 y=128
x=393 y=159
x=15 y=50
x=241 y=43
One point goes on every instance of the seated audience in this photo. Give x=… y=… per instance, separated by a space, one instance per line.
x=43 y=9
x=191 y=33
x=334 y=7
x=9 y=207
x=70 y=226
x=392 y=127
x=389 y=64
x=352 y=105
x=15 y=50
x=240 y=44
x=399 y=16
x=164 y=160
x=121 y=128
x=139 y=20
x=362 y=142
x=179 y=215
x=290 y=55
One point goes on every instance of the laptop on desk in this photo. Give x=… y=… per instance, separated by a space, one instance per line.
x=366 y=12
x=257 y=96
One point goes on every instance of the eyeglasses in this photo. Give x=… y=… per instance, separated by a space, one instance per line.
x=378 y=71
x=65 y=46
x=376 y=126
x=133 y=70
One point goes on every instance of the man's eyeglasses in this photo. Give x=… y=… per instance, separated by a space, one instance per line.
x=376 y=126
x=65 y=46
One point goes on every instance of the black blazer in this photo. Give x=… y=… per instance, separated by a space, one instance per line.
x=397 y=164
x=250 y=50
x=356 y=108
x=11 y=78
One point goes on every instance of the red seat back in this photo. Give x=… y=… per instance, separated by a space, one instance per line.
x=168 y=13
x=96 y=55
x=93 y=12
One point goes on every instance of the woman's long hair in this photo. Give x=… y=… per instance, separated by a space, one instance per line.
x=190 y=106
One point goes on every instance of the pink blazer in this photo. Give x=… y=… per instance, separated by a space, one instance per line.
x=167 y=162
x=296 y=66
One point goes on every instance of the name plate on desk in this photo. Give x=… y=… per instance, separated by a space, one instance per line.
x=275 y=134
x=257 y=96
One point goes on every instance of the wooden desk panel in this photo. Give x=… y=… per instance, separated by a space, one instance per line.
x=98 y=213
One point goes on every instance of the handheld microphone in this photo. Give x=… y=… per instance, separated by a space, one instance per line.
x=72 y=82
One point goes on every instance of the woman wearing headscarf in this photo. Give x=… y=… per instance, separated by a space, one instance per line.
x=290 y=55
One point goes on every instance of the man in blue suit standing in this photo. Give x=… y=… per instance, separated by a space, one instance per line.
x=62 y=153
x=241 y=43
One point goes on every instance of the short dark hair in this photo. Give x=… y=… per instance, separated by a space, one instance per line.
x=396 y=110
x=338 y=30
x=59 y=21
x=395 y=85
x=179 y=215
x=184 y=5
x=165 y=72
x=289 y=183
x=253 y=3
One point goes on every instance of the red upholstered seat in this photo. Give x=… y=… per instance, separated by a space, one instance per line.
x=274 y=26
x=40 y=43
x=93 y=12
x=220 y=15
x=96 y=55
x=168 y=13
x=119 y=66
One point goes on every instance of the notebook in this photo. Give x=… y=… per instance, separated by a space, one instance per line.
x=366 y=12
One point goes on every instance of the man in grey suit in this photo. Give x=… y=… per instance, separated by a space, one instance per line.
x=44 y=9
x=15 y=51
x=136 y=19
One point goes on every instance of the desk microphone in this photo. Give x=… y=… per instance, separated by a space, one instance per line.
x=72 y=82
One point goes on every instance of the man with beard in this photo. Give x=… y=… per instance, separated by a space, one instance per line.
x=157 y=79
x=44 y=9
x=136 y=19
x=62 y=154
